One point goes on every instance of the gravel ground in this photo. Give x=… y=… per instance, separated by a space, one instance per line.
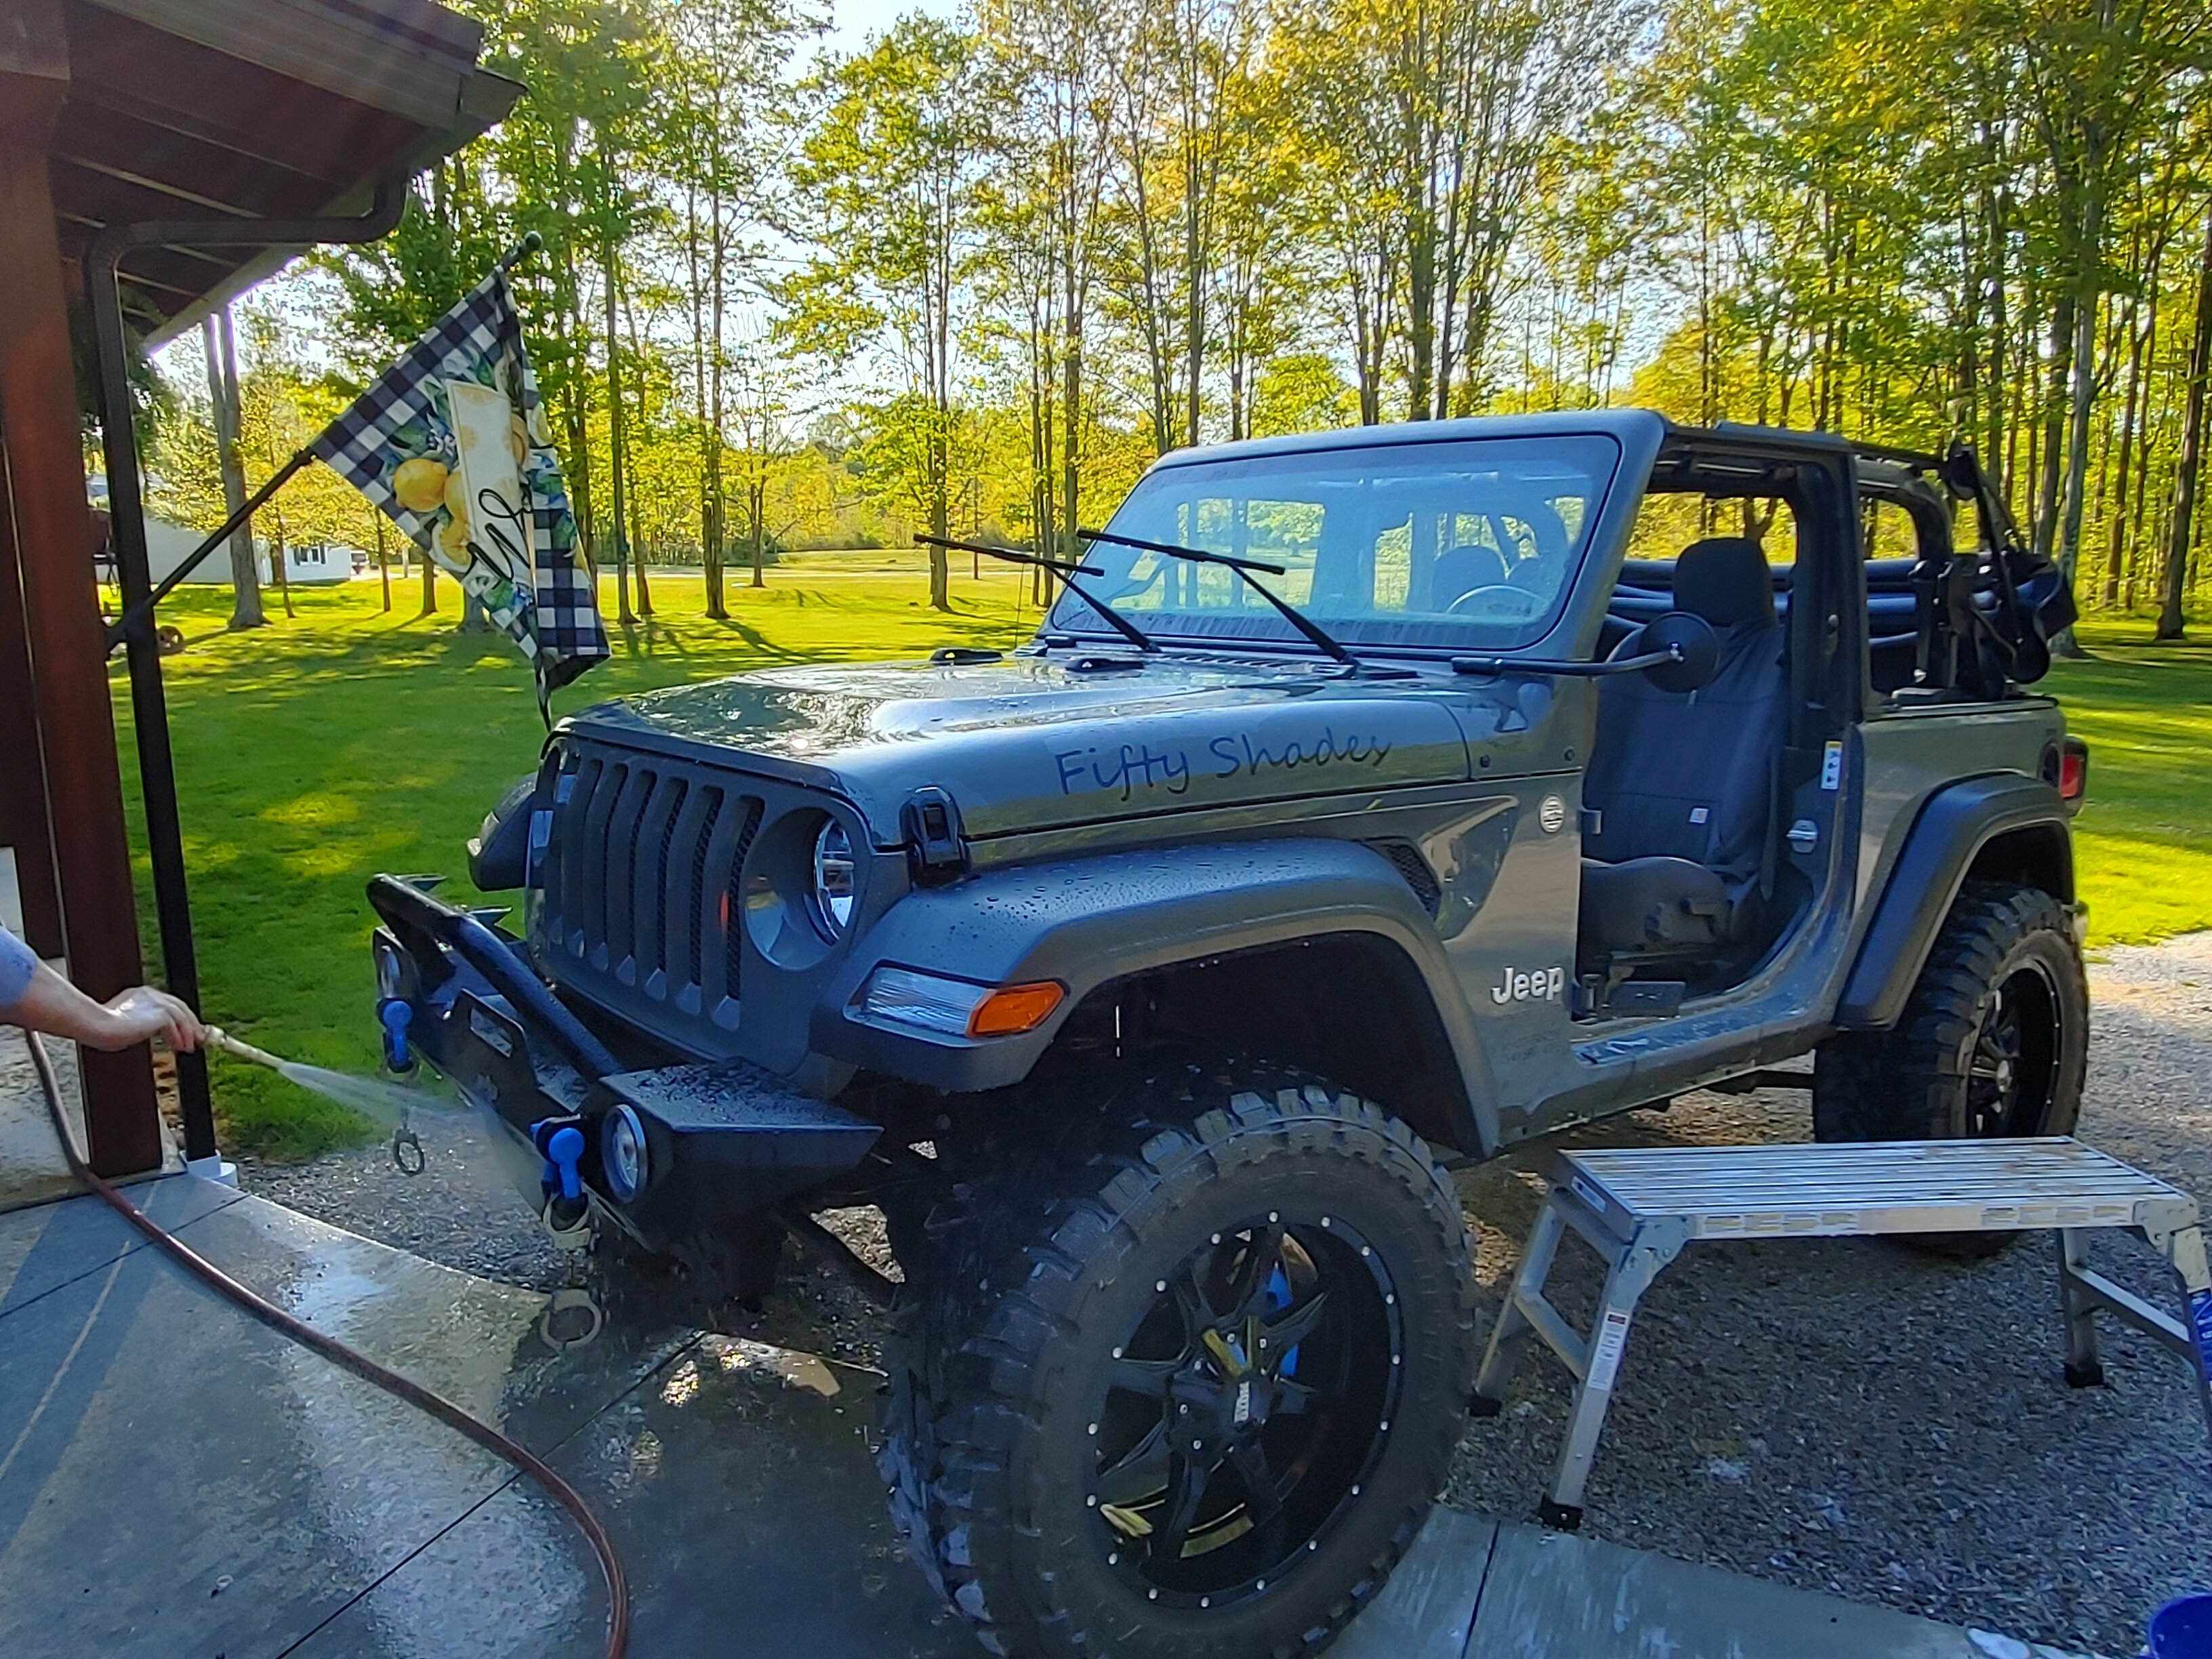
x=1840 y=1415
x=462 y=1211
x=1847 y=1415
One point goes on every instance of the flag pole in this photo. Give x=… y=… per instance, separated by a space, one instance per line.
x=119 y=630
x=164 y=842
x=135 y=615
x=530 y=243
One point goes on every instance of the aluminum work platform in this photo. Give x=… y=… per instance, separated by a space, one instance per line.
x=1637 y=1207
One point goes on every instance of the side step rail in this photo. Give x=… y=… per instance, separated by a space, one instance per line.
x=1637 y=1207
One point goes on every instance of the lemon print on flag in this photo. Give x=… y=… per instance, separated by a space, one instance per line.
x=420 y=484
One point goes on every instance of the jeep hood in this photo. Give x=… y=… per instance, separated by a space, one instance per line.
x=1033 y=743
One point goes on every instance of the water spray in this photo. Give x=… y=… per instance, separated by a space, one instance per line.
x=390 y=1105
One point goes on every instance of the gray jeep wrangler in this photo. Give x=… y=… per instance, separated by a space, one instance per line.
x=1367 y=802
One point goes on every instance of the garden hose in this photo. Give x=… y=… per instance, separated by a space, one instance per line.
x=424 y=1400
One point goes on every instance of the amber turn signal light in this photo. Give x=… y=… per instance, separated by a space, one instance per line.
x=1013 y=1009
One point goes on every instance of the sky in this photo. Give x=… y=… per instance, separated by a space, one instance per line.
x=851 y=21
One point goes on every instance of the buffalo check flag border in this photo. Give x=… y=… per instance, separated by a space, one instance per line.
x=559 y=626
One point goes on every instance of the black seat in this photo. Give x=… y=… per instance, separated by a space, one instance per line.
x=1678 y=861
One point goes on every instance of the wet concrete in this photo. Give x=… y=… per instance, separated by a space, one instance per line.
x=176 y=1480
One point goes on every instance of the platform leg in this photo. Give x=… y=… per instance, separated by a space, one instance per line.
x=1630 y=1276
x=1513 y=1329
x=2185 y=1249
x=2079 y=1310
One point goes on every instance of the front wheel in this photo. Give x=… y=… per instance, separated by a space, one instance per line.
x=1194 y=1396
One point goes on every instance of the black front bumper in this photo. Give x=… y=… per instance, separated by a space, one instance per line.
x=721 y=1141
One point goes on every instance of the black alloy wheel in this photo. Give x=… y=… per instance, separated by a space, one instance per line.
x=2014 y=1064
x=1245 y=1408
x=1186 y=1384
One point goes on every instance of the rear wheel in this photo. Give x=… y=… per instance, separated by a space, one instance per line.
x=1193 y=1396
x=1993 y=1042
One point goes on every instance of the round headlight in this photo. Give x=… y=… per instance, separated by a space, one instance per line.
x=622 y=1154
x=834 y=873
x=390 y=981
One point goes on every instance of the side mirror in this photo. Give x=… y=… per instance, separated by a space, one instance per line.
x=1692 y=649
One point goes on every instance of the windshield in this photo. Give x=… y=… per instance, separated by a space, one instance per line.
x=1453 y=544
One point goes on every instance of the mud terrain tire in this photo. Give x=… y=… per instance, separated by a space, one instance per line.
x=1009 y=1403
x=1993 y=1042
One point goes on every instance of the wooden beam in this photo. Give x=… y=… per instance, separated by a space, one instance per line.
x=23 y=822
x=69 y=646
x=115 y=142
x=317 y=46
x=121 y=64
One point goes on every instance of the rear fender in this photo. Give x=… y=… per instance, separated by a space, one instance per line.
x=1089 y=922
x=2007 y=827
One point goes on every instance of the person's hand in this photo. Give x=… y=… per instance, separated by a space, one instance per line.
x=144 y=1012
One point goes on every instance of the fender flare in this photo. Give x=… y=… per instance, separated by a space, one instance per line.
x=1952 y=826
x=1089 y=921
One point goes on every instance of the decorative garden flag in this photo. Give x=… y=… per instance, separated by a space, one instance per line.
x=451 y=443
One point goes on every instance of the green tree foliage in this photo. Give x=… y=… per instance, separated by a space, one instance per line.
x=975 y=274
x=890 y=172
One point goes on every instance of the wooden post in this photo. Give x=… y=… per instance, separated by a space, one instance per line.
x=23 y=824
x=61 y=606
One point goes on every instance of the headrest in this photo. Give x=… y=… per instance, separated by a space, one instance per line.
x=1465 y=568
x=1725 y=579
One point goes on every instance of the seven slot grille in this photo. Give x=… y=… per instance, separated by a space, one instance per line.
x=644 y=876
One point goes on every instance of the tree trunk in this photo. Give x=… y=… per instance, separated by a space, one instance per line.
x=2116 y=544
x=278 y=573
x=383 y=562
x=429 y=586
x=940 y=513
x=2171 y=619
x=636 y=537
x=711 y=535
x=617 y=460
x=2054 y=427
x=2000 y=323
x=2081 y=399
x=246 y=610
x=1070 y=446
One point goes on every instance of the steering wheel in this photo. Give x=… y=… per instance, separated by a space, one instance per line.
x=1521 y=604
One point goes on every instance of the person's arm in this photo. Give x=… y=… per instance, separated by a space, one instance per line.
x=35 y=997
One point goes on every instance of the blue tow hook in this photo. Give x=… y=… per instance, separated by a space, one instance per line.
x=562 y=1146
x=564 y=1151
x=394 y=1014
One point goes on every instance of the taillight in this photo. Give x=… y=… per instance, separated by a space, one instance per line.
x=2073 y=771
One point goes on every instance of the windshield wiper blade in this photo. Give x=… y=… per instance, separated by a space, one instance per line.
x=1067 y=574
x=1244 y=570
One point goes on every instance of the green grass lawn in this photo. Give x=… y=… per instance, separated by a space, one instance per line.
x=2142 y=847
x=313 y=753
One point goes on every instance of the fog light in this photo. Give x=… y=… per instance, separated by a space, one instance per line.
x=958 y=1007
x=622 y=1154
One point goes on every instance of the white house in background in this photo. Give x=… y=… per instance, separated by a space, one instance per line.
x=316 y=564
